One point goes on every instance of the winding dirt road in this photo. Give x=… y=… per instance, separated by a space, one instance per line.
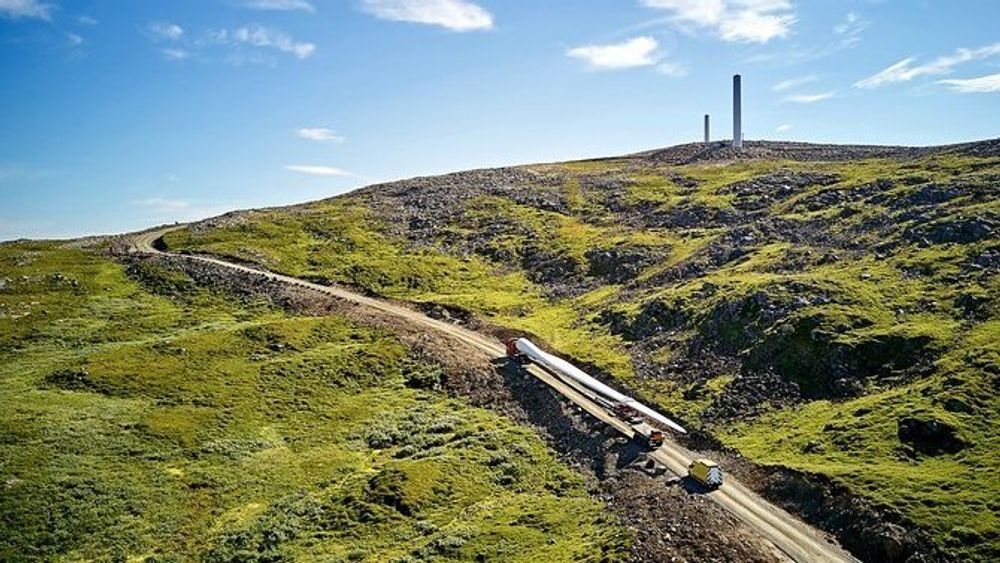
x=794 y=538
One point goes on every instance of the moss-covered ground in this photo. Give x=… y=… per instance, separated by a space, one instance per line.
x=870 y=277
x=179 y=424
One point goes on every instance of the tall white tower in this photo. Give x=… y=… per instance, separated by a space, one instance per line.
x=737 y=113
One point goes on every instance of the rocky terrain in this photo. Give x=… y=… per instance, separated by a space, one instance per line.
x=667 y=522
x=829 y=310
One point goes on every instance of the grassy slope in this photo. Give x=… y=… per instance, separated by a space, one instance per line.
x=134 y=425
x=869 y=297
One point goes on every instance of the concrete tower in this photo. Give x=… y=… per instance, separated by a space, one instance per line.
x=707 y=136
x=737 y=113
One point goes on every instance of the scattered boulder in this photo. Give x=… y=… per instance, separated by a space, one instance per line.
x=548 y=268
x=929 y=435
x=762 y=191
x=975 y=307
x=955 y=404
x=749 y=394
x=76 y=380
x=960 y=230
x=617 y=265
x=655 y=317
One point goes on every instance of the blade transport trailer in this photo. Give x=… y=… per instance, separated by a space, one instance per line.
x=522 y=350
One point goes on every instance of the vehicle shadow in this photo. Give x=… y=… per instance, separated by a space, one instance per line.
x=631 y=452
x=693 y=487
x=570 y=431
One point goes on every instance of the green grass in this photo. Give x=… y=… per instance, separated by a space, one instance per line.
x=141 y=426
x=855 y=442
x=340 y=241
x=884 y=295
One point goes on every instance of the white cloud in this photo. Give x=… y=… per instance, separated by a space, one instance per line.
x=639 y=51
x=175 y=54
x=740 y=21
x=905 y=70
x=701 y=12
x=31 y=9
x=983 y=84
x=86 y=20
x=242 y=45
x=748 y=26
x=783 y=127
x=314 y=170
x=166 y=30
x=456 y=15
x=794 y=82
x=809 y=98
x=850 y=29
x=163 y=205
x=264 y=37
x=281 y=5
x=319 y=134
x=74 y=40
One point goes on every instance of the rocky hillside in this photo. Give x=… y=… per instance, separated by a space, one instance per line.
x=831 y=310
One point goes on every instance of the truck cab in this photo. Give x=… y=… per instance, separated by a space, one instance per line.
x=706 y=472
x=650 y=437
x=513 y=353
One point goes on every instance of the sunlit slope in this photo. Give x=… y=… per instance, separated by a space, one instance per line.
x=143 y=416
x=821 y=308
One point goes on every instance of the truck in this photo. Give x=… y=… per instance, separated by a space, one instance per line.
x=706 y=472
x=514 y=354
x=650 y=437
x=523 y=351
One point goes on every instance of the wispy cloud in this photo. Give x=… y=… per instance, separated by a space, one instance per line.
x=248 y=44
x=175 y=54
x=166 y=30
x=905 y=70
x=845 y=35
x=281 y=5
x=983 y=84
x=850 y=29
x=636 y=52
x=319 y=134
x=740 y=21
x=794 y=82
x=456 y=15
x=86 y=20
x=263 y=37
x=74 y=40
x=316 y=170
x=809 y=98
x=783 y=128
x=27 y=9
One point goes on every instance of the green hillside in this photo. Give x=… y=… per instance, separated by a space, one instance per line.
x=146 y=418
x=826 y=309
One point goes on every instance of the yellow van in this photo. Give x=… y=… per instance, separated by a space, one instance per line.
x=706 y=472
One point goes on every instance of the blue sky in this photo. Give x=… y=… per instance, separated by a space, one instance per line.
x=120 y=114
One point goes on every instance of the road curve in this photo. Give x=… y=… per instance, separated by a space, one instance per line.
x=794 y=538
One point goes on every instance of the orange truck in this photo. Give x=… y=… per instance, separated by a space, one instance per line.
x=651 y=437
